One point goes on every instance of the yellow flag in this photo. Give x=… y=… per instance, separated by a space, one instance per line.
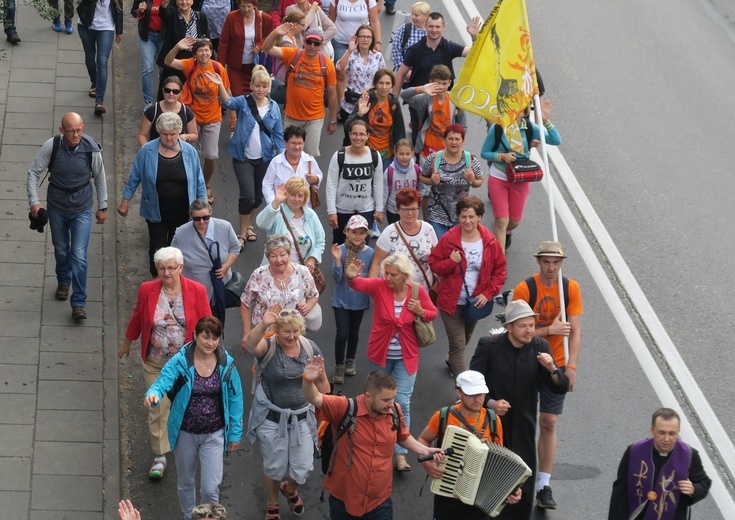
x=498 y=78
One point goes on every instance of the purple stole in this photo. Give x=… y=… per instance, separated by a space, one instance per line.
x=663 y=494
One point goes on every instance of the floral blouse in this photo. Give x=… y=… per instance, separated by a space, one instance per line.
x=263 y=290
x=360 y=74
x=168 y=333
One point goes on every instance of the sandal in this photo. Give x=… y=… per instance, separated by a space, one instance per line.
x=294 y=501
x=273 y=512
x=210 y=197
x=250 y=234
x=242 y=240
x=400 y=463
x=92 y=91
x=158 y=468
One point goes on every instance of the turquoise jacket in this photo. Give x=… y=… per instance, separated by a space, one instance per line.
x=550 y=132
x=145 y=170
x=177 y=375
x=271 y=220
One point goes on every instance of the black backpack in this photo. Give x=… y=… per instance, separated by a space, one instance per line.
x=533 y=291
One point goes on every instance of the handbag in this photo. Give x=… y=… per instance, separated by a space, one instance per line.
x=326 y=47
x=234 y=289
x=524 y=170
x=433 y=292
x=313 y=318
x=470 y=312
x=313 y=192
x=424 y=330
x=352 y=97
x=316 y=273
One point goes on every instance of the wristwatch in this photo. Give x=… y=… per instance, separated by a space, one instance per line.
x=555 y=371
x=104 y=210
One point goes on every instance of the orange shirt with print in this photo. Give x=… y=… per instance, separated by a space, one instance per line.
x=306 y=85
x=380 y=120
x=434 y=424
x=205 y=94
x=441 y=118
x=547 y=307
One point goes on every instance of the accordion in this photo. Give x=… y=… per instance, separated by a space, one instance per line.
x=479 y=473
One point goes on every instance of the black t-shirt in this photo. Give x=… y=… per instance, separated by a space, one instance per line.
x=420 y=58
x=172 y=187
x=153 y=112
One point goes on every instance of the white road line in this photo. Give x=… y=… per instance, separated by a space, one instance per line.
x=658 y=381
x=458 y=20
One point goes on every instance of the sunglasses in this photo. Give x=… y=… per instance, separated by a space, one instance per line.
x=285 y=313
x=176 y=91
x=315 y=43
x=204 y=218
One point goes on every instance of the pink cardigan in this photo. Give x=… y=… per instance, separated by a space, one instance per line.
x=385 y=324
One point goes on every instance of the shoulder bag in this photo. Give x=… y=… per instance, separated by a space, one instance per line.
x=316 y=273
x=424 y=330
x=470 y=312
x=433 y=293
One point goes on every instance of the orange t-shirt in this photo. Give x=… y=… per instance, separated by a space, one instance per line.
x=205 y=94
x=380 y=120
x=547 y=307
x=440 y=120
x=306 y=86
x=433 y=425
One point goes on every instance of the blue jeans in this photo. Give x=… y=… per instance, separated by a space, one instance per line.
x=440 y=229
x=70 y=236
x=339 y=50
x=404 y=389
x=9 y=20
x=97 y=47
x=337 y=511
x=148 y=53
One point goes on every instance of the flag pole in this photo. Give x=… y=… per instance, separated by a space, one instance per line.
x=552 y=211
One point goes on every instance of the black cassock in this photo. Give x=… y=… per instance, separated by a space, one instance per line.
x=514 y=374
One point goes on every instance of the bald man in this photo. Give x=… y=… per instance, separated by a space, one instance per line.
x=74 y=162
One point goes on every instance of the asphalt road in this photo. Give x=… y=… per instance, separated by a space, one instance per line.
x=640 y=98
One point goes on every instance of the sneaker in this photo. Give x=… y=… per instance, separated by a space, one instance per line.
x=78 y=313
x=508 y=239
x=375 y=232
x=339 y=375
x=350 y=369
x=390 y=9
x=544 y=499
x=69 y=26
x=13 y=37
x=62 y=292
x=56 y=25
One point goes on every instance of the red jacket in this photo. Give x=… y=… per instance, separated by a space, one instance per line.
x=196 y=306
x=492 y=273
x=232 y=39
x=385 y=324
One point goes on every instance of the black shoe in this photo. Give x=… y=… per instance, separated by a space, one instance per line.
x=13 y=37
x=390 y=9
x=508 y=239
x=62 y=292
x=544 y=499
x=78 y=313
x=449 y=367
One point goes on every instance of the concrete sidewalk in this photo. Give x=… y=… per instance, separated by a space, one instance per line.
x=59 y=429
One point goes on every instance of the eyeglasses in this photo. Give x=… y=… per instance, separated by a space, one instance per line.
x=176 y=91
x=315 y=43
x=203 y=217
x=358 y=134
x=165 y=268
x=75 y=131
x=365 y=36
x=296 y=144
x=285 y=313
x=408 y=210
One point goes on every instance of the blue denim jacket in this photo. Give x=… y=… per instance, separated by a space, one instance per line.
x=272 y=146
x=181 y=366
x=145 y=170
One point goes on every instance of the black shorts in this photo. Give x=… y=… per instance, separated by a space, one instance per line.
x=549 y=401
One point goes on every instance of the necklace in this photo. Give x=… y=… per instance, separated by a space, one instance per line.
x=293 y=165
x=206 y=366
x=172 y=291
x=283 y=282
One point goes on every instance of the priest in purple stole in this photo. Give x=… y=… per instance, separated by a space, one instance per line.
x=659 y=478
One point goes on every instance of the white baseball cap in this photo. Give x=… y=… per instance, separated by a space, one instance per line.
x=472 y=382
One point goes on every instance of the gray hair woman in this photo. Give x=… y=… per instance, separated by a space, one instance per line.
x=280 y=281
x=204 y=235
x=168 y=171
x=393 y=345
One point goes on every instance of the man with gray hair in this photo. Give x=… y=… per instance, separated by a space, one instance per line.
x=309 y=74
x=74 y=161
x=515 y=365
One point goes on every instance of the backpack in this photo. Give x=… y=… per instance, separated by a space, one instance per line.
x=186 y=97
x=416 y=168
x=341 y=159
x=328 y=439
x=440 y=153
x=499 y=136
x=258 y=367
x=491 y=421
x=292 y=69
x=533 y=291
